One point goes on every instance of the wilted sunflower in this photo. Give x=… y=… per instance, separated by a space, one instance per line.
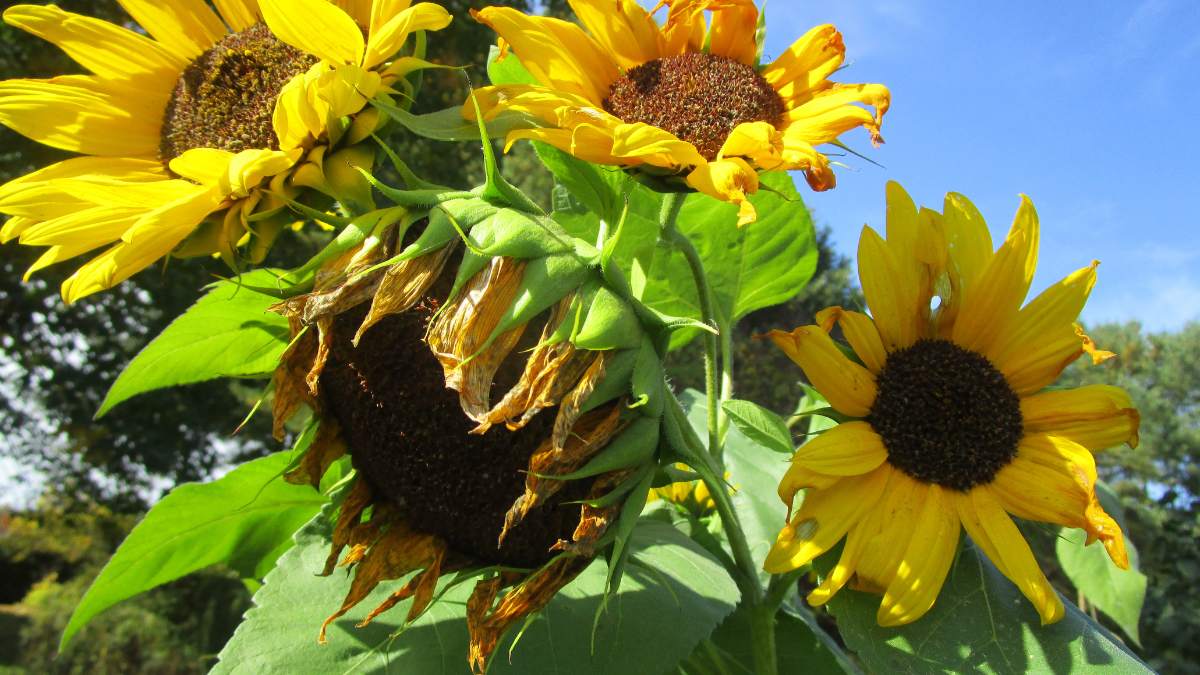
x=527 y=465
x=686 y=99
x=195 y=130
x=957 y=428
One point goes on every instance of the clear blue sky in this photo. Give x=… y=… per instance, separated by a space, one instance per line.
x=1089 y=108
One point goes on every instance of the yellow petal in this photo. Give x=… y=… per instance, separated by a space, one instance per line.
x=968 y=237
x=1053 y=480
x=847 y=386
x=887 y=530
x=732 y=34
x=206 y=166
x=558 y=53
x=388 y=39
x=800 y=155
x=856 y=541
x=1096 y=416
x=831 y=112
x=1040 y=342
x=19 y=194
x=805 y=65
x=1096 y=354
x=248 y=168
x=81 y=114
x=729 y=180
x=317 y=27
x=346 y=89
x=823 y=519
x=760 y=143
x=926 y=561
x=149 y=239
x=588 y=142
x=623 y=28
x=300 y=113
x=991 y=304
x=891 y=290
x=361 y=10
x=186 y=27
x=101 y=47
x=381 y=11
x=998 y=537
x=860 y=332
x=95 y=226
x=684 y=29
x=849 y=449
x=57 y=254
x=238 y=14
x=654 y=146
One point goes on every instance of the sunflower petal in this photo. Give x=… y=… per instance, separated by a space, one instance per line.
x=1041 y=341
x=802 y=69
x=860 y=332
x=1096 y=416
x=891 y=289
x=729 y=180
x=623 y=28
x=149 y=239
x=558 y=53
x=389 y=38
x=998 y=537
x=81 y=114
x=734 y=23
x=849 y=387
x=316 y=27
x=832 y=112
x=926 y=561
x=992 y=303
x=849 y=449
x=823 y=519
x=103 y=48
x=186 y=27
x=238 y=14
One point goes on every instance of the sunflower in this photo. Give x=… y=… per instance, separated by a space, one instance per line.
x=955 y=425
x=486 y=411
x=193 y=138
x=687 y=99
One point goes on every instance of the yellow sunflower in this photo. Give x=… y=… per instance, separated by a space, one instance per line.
x=685 y=99
x=955 y=427
x=198 y=129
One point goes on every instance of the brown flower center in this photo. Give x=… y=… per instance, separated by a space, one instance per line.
x=946 y=415
x=699 y=98
x=225 y=99
x=409 y=439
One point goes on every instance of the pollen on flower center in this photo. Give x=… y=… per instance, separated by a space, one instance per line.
x=410 y=441
x=946 y=415
x=699 y=98
x=225 y=99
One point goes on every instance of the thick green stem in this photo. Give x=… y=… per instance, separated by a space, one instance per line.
x=726 y=377
x=761 y=609
x=672 y=203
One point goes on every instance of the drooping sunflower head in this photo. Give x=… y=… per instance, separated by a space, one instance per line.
x=687 y=101
x=193 y=138
x=954 y=427
x=485 y=396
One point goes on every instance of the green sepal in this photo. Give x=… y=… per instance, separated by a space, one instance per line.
x=545 y=281
x=630 y=512
x=516 y=234
x=615 y=383
x=611 y=323
x=648 y=382
x=634 y=446
x=623 y=488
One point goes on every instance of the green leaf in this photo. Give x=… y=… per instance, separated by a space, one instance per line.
x=760 y=425
x=980 y=624
x=762 y=264
x=1116 y=592
x=672 y=596
x=245 y=520
x=227 y=333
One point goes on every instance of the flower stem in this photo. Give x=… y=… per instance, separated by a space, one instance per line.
x=669 y=233
x=762 y=610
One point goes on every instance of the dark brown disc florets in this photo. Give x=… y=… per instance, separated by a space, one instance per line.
x=409 y=440
x=946 y=415
x=225 y=99
x=699 y=98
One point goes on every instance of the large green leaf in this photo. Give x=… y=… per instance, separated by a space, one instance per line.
x=728 y=651
x=244 y=520
x=1116 y=592
x=980 y=624
x=673 y=595
x=762 y=264
x=227 y=333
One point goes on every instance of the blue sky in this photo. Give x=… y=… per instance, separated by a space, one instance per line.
x=1086 y=107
